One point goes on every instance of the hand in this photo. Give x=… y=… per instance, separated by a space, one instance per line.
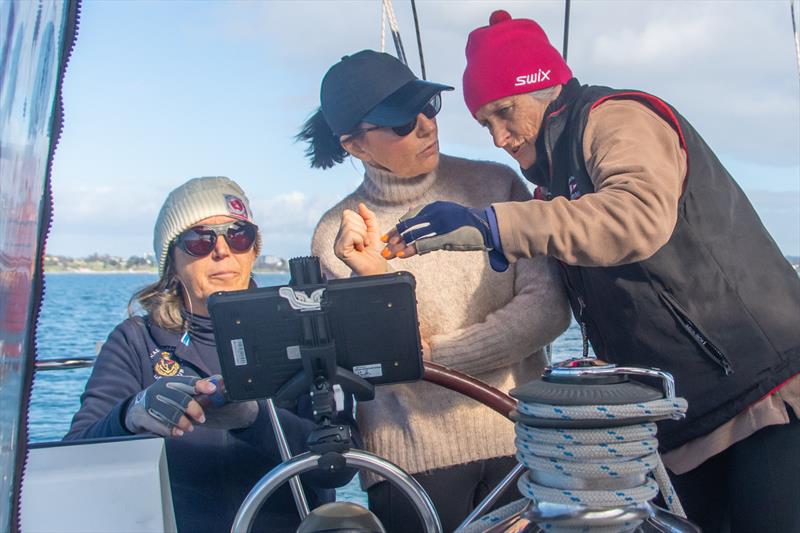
x=358 y=242
x=167 y=406
x=444 y=226
x=222 y=414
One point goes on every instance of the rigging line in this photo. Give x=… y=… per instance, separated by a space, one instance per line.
x=566 y=29
x=794 y=30
x=398 y=43
x=419 y=39
x=383 y=27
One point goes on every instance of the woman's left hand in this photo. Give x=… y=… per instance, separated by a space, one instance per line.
x=358 y=242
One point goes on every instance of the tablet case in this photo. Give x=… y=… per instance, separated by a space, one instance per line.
x=372 y=320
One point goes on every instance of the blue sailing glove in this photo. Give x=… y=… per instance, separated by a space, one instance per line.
x=453 y=227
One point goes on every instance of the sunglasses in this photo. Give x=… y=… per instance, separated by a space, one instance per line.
x=200 y=241
x=430 y=110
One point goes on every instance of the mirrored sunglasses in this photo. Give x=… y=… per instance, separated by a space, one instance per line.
x=430 y=110
x=200 y=241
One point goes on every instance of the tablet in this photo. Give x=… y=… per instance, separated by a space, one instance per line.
x=372 y=321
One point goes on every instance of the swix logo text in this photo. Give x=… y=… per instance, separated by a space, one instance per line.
x=530 y=79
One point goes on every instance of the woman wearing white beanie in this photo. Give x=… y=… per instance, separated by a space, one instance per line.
x=153 y=368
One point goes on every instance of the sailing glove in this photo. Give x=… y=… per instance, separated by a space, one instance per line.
x=159 y=407
x=453 y=227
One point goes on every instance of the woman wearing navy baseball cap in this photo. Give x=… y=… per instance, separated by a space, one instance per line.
x=488 y=324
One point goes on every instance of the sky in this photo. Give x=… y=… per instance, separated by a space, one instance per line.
x=160 y=92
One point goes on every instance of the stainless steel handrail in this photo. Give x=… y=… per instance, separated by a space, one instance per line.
x=64 y=363
x=283 y=446
x=493 y=496
x=309 y=461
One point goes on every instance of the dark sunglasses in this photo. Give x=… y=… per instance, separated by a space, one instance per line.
x=430 y=110
x=200 y=241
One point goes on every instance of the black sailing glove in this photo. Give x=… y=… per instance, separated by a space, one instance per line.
x=453 y=227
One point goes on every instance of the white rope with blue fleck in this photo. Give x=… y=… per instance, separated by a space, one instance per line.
x=594 y=460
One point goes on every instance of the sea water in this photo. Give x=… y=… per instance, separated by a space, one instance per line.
x=81 y=309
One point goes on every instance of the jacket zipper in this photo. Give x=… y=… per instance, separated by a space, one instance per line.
x=708 y=347
x=581 y=308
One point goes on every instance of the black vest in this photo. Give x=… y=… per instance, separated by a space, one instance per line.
x=718 y=305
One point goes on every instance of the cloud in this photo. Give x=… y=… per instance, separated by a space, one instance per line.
x=222 y=88
x=729 y=67
x=288 y=220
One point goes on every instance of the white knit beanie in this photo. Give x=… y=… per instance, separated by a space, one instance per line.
x=195 y=200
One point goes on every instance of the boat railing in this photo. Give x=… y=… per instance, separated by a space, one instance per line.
x=64 y=363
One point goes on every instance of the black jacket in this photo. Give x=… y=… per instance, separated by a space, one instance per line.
x=211 y=471
x=718 y=305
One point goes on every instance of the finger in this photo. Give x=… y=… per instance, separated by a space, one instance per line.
x=396 y=239
x=195 y=411
x=354 y=239
x=353 y=231
x=352 y=219
x=167 y=414
x=389 y=236
x=408 y=251
x=348 y=239
x=185 y=387
x=181 y=427
x=370 y=219
x=400 y=249
x=204 y=386
x=391 y=249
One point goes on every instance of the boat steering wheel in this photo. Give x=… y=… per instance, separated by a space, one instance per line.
x=434 y=373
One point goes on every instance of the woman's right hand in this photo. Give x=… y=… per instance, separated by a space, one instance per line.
x=358 y=243
x=167 y=407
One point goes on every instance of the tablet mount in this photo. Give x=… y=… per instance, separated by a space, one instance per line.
x=318 y=354
x=329 y=444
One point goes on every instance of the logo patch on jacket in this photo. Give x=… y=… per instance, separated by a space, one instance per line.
x=165 y=365
x=574 y=192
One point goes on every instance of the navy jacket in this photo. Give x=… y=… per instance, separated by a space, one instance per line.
x=211 y=470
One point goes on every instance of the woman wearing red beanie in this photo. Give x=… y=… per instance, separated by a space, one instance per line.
x=472 y=318
x=666 y=262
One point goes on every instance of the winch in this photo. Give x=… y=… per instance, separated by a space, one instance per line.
x=586 y=434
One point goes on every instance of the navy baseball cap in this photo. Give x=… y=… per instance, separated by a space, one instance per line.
x=373 y=87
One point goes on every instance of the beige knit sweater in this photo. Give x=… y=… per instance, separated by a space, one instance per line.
x=490 y=325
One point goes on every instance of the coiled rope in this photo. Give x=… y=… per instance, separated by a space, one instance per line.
x=596 y=468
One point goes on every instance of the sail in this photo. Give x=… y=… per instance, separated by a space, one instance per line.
x=35 y=41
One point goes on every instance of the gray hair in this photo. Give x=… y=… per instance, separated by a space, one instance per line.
x=547 y=94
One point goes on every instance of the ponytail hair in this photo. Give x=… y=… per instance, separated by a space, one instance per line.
x=324 y=149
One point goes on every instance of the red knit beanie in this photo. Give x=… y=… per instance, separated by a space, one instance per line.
x=508 y=57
